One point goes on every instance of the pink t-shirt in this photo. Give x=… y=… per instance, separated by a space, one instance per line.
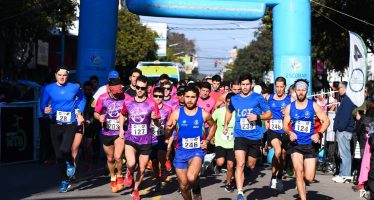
x=139 y=119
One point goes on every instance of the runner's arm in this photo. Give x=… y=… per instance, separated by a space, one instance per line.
x=212 y=125
x=170 y=124
x=286 y=120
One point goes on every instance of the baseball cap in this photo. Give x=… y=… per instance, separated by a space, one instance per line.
x=113 y=74
x=181 y=89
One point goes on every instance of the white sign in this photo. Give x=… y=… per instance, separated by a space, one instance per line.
x=160 y=28
x=357 y=69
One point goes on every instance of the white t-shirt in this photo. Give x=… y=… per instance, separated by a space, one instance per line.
x=99 y=92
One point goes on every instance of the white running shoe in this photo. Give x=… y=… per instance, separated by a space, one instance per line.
x=273 y=183
x=343 y=179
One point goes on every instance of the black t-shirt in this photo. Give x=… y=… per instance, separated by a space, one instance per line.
x=128 y=90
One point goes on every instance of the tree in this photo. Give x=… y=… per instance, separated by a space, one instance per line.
x=330 y=38
x=256 y=58
x=22 y=23
x=179 y=43
x=135 y=42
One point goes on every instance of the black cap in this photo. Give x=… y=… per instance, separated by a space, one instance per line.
x=181 y=89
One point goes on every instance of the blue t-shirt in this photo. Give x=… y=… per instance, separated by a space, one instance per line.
x=276 y=107
x=190 y=131
x=255 y=104
x=303 y=122
x=63 y=100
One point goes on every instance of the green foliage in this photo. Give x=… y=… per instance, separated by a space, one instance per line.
x=22 y=23
x=135 y=42
x=330 y=42
x=256 y=58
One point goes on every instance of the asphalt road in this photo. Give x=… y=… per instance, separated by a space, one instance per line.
x=36 y=181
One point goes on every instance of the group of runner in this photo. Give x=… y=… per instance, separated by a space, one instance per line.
x=163 y=123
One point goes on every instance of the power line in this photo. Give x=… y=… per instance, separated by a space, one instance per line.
x=336 y=23
x=340 y=12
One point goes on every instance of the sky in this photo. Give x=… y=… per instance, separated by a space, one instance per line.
x=211 y=43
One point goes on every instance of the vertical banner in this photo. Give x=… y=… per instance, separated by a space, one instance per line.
x=357 y=70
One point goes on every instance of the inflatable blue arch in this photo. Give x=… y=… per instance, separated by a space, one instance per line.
x=291 y=29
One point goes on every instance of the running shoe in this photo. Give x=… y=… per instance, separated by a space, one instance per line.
x=168 y=165
x=65 y=185
x=229 y=188
x=279 y=185
x=197 y=197
x=216 y=170
x=135 y=195
x=240 y=197
x=120 y=183
x=273 y=183
x=70 y=170
x=128 y=179
x=113 y=186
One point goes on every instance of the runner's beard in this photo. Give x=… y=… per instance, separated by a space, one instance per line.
x=301 y=97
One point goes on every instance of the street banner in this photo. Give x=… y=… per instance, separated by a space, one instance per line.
x=357 y=70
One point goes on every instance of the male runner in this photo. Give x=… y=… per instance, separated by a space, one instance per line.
x=250 y=108
x=171 y=101
x=276 y=137
x=138 y=111
x=304 y=148
x=63 y=97
x=225 y=143
x=131 y=89
x=158 y=155
x=216 y=91
x=107 y=111
x=189 y=121
x=234 y=87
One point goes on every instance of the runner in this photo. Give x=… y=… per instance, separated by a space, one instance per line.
x=180 y=96
x=304 y=148
x=225 y=143
x=276 y=137
x=216 y=90
x=63 y=97
x=234 y=87
x=131 y=89
x=171 y=101
x=158 y=155
x=189 y=121
x=250 y=108
x=138 y=111
x=107 y=111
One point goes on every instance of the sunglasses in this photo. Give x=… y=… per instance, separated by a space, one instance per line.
x=180 y=94
x=158 y=96
x=166 y=88
x=140 y=88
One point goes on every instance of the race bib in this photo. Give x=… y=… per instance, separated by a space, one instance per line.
x=276 y=124
x=303 y=126
x=138 y=129
x=158 y=131
x=112 y=124
x=247 y=125
x=228 y=136
x=191 y=143
x=63 y=116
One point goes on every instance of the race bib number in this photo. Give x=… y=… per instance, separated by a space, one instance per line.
x=247 y=125
x=191 y=143
x=228 y=136
x=158 y=131
x=303 y=126
x=276 y=124
x=63 y=116
x=138 y=129
x=112 y=124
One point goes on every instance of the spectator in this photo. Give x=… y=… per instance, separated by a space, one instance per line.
x=344 y=127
